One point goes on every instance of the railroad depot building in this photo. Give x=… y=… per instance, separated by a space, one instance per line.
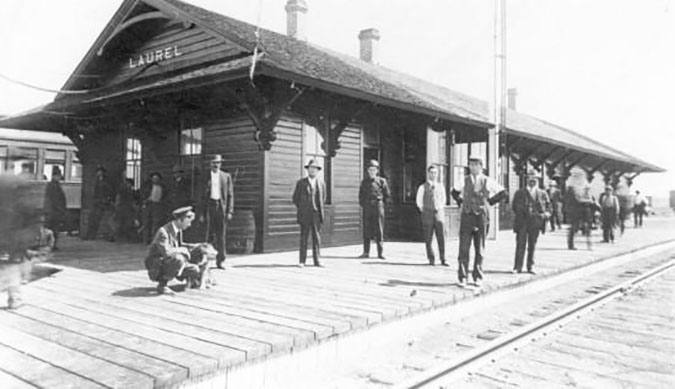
x=170 y=83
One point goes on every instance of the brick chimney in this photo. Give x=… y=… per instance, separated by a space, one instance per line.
x=369 y=41
x=296 y=19
x=511 y=99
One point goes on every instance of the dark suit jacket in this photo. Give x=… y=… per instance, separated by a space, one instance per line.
x=226 y=193
x=529 y=209
x=303 y=200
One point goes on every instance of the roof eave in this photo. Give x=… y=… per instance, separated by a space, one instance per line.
x=272 y=71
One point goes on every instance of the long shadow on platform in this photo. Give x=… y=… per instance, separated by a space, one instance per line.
x=394 y=263
x=421 y=284
x=265 y=266
x=140 y=291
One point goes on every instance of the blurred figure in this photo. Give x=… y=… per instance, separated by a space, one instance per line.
x=578 y=205
x=625 y=206
x=125 y=211
x=23 y=237
x=153 y=193
x=555 y=196
x=609 y=205
x=102 y=203
x=55 y=205
x=639 y=207
x=180 y=192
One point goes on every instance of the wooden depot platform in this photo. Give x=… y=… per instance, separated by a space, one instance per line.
x=99 y=323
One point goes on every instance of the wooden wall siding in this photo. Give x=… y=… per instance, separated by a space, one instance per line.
x=195 y=45
x=233 y=139
x=391 y=144
x=285 y=168
x=342 y=223
x=347 y=175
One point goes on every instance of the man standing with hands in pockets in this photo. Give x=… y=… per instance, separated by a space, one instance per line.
x=217 y=206
x=309 y=197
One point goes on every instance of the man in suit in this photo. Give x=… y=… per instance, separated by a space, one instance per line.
x=168 y=256
x=373 y=196
x=217 y=206
x=430 y=200
x=530 y=206
x=473 y=197
x=309 y=197
x=609 y=211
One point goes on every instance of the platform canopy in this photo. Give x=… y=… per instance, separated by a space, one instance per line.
x=310 y=65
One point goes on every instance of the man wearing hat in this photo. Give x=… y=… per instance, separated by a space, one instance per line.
x=609 y=211
x=531 y=207
x=180 y=191
x=55 y=204
x=168 y=256
x=555 y=196
x=309 y=197
x=217 y=206
x=478 y=191
x=373 y=197
x=102 y=203
x=153 y=194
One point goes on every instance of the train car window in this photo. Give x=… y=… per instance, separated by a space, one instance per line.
x=54 y=160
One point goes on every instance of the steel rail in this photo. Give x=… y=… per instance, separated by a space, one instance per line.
x=444 y=370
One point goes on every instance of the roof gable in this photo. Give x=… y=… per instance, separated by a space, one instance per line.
x=146 y=38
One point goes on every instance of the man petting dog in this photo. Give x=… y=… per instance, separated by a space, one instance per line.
x=169 y=258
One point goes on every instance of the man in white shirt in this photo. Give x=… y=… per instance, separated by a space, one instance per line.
x=473 y=198
x=217 y=206
x=431 y=201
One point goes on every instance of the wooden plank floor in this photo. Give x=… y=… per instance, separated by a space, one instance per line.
x=99 y=322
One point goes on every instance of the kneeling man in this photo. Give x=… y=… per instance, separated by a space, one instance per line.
x=168 y=257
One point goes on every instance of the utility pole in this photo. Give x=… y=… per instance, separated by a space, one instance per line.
x=498 y=107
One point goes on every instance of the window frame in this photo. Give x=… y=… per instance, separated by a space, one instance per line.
x=319 y=153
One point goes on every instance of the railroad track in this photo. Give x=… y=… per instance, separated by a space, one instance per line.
x=440 y=375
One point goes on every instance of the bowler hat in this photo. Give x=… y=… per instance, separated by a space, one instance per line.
x=476 y=158
x=158 y=174
x=181 y=212
x=56 y=171
x=177 y=168
x=312 y=163
x=216 y=158
x=373 y=163
x=100 y=168
x=609 y=187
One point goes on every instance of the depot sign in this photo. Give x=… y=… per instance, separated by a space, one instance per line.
x=150 y=57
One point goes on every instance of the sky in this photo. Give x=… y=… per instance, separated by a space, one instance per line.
x=603 y=68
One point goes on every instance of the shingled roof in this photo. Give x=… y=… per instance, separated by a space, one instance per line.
x=300 y=61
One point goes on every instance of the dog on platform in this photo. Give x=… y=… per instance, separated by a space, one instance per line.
x=200 y=255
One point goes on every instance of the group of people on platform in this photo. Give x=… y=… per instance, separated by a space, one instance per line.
x=170 y=257
x=136 y=214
